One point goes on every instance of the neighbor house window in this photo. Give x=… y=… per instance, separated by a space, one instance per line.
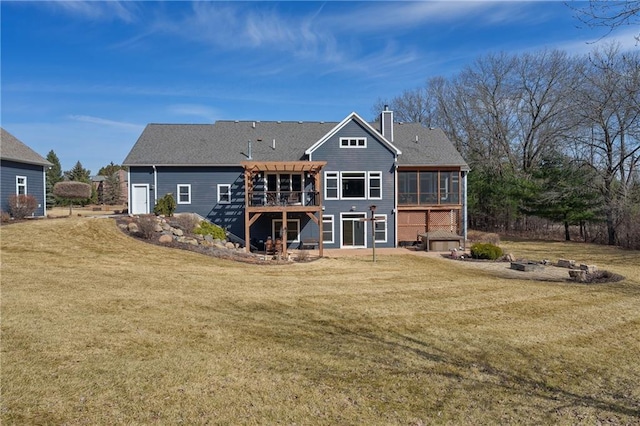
x=375 y=185
x=327 y=229
x=353 y=185
x=293 y=230
x=184 y=194
x=353 y=142
x=331 y=186
x=224 y=193
x=21 y=185
x=380 y=225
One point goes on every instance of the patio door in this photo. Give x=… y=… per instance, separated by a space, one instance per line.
x=353 y=230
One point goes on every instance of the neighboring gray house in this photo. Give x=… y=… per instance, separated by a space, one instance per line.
x=22 y=171
x=309 y=181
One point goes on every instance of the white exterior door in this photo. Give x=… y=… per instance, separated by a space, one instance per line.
x=140 y=199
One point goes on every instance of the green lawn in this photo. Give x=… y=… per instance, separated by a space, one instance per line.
x=98 y=328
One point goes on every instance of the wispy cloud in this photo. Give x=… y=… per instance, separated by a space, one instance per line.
x=99 y=10
x=195 y=110
x=106 y=122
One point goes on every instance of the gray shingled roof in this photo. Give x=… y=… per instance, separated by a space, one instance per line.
x=13 y=149
x=432 y=146
x=226 y=143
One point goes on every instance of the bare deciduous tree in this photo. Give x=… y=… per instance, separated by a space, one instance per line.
x=609 y=14
x=609 y=113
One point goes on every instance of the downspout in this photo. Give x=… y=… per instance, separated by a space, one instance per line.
x=464 y=208
x=129 y=190
x=395 y=200
x=155 y=185
x=44 y=186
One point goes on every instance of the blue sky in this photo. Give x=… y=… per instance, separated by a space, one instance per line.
x=84 y=77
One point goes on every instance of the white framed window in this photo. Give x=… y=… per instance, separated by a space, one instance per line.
x=224 y=193
x=184 y=193
x=380 y=227
x=293 y=230
x=353 y=142
x=327 y=229
x=375 y=185
x=331 y=186
x=353 y=185
x=21 y=185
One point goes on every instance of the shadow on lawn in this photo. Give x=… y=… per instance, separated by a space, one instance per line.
x=352 y=349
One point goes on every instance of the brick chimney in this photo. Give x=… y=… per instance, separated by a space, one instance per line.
x=386 y=122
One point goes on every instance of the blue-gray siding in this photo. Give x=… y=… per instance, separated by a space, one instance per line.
x=204 y=183
x=376 y=157
x=35 y=183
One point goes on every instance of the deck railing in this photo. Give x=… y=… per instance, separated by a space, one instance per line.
x=283 y=198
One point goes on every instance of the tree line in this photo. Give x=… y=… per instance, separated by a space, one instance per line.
x=547 y=135
x=109 y=194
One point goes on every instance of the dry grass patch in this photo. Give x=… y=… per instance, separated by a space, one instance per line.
x=98 y=328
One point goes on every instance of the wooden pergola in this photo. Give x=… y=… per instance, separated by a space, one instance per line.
x=312 y=210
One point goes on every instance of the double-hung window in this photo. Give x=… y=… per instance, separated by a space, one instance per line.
x=353 y=185
x=327 y=229
x=184 y=193
x=224 y=193
x=380 y=228
x=331 y=186
x=375 y=185
x=21 y=185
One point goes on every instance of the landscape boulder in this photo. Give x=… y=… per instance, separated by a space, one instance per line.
x=165 y=239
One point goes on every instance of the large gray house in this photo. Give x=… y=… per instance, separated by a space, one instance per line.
x=22 y=172
x=304 y=182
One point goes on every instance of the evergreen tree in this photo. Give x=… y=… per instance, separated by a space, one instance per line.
x=54 y=175
x=110 y=169
x=562 y=191
x=111 y=189
x=78 y=173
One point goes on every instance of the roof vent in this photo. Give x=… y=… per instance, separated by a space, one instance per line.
x=249 y=151
x=253 y=125
x=416 y=138
x=299 y=122
x=273 y=144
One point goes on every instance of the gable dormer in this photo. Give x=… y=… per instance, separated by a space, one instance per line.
x=368 y=129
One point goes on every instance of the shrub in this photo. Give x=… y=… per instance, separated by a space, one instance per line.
x=146 y=227
x=208 y=228
x=72 y=189
x=303 y=256
x=186 y=221
x=165 y=206
x=4 y=217
x=485 y=251
x=21 y=206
